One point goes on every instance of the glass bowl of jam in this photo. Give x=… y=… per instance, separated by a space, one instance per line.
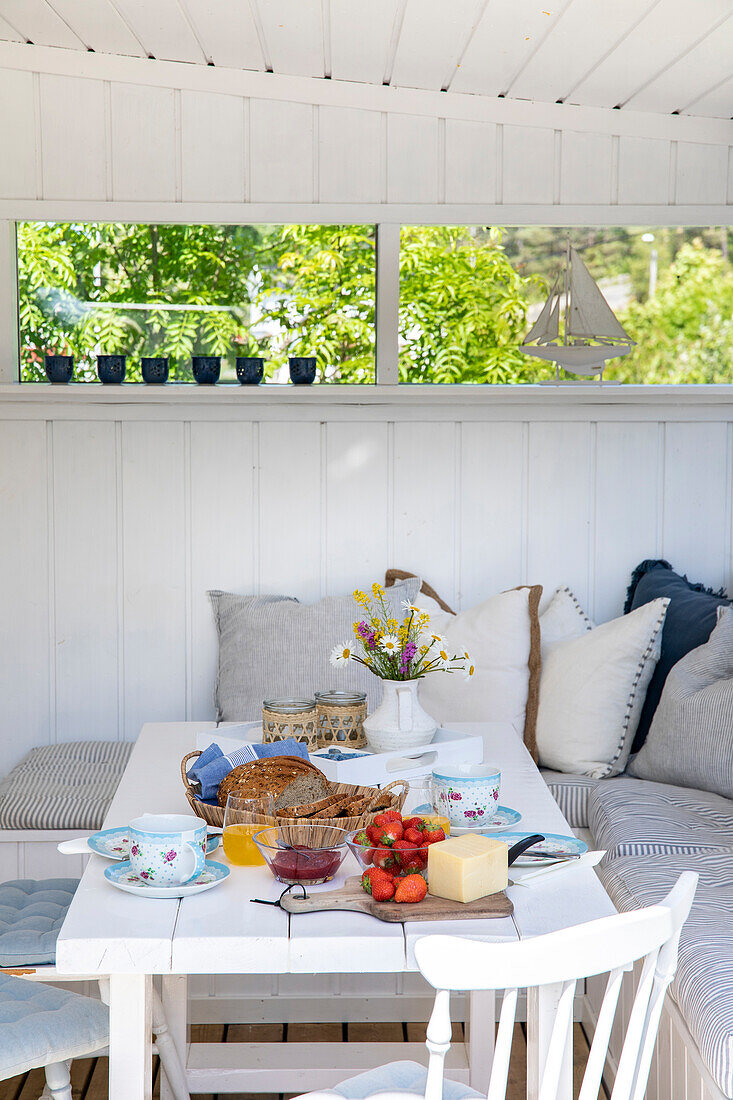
x=306 y=854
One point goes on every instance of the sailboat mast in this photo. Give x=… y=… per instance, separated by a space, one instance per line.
x=567 y=290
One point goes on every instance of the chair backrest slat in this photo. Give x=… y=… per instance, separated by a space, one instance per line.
x=503 y=1047
x=561 y=1030
x=601 y=1036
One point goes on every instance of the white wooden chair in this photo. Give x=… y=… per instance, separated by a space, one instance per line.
x=611 y=945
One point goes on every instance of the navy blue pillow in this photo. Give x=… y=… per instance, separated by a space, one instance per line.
x=691 y=616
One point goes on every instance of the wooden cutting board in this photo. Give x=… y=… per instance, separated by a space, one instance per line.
x=352 y=897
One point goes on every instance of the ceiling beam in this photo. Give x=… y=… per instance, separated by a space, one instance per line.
x=370 y=97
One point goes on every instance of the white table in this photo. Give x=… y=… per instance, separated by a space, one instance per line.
x=131 y=939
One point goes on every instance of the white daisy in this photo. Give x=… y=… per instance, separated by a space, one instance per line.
x=469 y=671
x=389 y=643
x=340 y=654
x=410 y=608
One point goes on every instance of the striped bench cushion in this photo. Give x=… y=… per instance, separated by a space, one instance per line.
x=633 y=817
x=67 y=786
x=703 y=985
x=571 y=794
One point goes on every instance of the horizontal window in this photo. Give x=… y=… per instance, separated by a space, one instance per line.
x=178 y=291
x=655 y=302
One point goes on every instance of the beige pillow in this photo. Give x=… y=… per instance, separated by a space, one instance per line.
x=502 y=635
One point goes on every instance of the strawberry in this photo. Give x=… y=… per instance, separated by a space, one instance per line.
x=374 y=874
x=362 y=838
x=387 y=817
x=433 y=836
x=383 y=889
x=414 y=835
x=411 y=889
x=403 y=848
x=372 y=832
x=414 y=823
x=390 y=832
x=383 y=858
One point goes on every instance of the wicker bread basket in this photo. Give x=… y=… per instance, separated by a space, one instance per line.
x=214 y=815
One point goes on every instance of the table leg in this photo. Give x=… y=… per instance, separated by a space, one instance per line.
x=542 y=1004
x=174 y=995
x=130 y=1037
x=481 y=1028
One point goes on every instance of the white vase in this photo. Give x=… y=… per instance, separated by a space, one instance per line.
x=399 y=722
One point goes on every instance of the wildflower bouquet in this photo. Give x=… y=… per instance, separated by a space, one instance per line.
x=393 y=650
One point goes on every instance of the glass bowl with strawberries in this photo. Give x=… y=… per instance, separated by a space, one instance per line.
x=306 y=854
x=395 y=844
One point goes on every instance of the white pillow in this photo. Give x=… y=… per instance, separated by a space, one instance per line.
x=593 y=687
x=562 y=619
x=504 y=646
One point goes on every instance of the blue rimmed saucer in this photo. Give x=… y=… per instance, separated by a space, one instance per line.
x=115 y=843
x=553 y=848
x=124 y=878
x=504 y=818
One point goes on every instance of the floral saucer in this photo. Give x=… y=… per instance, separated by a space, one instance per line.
x=124 y=878
x=553 y=848
x=504 y=818
x=115 y=843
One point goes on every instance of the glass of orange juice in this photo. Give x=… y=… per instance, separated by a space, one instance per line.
x=419 y=803
x=243 y=817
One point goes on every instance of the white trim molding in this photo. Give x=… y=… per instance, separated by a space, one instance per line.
x=9 y=346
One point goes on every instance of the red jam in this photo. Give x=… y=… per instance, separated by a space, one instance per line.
x=303 y=864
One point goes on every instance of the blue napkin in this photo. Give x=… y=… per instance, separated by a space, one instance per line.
x=212 y=766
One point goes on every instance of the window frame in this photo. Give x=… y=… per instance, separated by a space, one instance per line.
x=386 y=342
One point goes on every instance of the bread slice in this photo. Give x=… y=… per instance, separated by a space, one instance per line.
x=303 y=790
x=262 y=777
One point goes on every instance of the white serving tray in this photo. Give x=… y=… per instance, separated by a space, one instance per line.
x=375 y=768
x=372 y=768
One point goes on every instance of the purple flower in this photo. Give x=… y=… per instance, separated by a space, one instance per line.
x=170 y=856
x=409 y=651
x=371 y=641
x=363 y=629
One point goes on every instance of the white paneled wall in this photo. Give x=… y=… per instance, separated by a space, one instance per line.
x=115 y=520
x=135 y=138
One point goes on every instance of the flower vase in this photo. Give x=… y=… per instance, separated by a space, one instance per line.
x=399 y=722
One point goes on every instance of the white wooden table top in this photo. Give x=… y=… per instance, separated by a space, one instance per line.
x=222 y=931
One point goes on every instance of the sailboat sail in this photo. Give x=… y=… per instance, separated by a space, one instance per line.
x=547 y=325
x=590 y=314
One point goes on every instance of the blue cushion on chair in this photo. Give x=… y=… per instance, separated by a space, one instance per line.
x=40 y=1024
x=31 y=914
x=397 y=1077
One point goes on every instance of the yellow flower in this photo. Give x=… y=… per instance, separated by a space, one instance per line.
x=376 y=623
x=377 y=590
x=424 y=618
x=392 y=624
x=424 y=649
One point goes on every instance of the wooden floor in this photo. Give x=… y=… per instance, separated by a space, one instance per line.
x=89 y=1075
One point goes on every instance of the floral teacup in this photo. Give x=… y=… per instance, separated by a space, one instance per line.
x=167 y=849
x=467 y=794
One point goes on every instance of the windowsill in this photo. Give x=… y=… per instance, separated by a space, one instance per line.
x=182 y=395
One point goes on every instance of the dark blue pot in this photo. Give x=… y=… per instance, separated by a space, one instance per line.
x=206 y=369
x=250 y=370
x=59 y=368
x=302 y=369
x=111 y=368
x=154 y=369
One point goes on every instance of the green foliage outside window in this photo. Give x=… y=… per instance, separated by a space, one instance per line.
x=466 y=297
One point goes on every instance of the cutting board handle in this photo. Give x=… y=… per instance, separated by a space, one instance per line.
x=319 y=903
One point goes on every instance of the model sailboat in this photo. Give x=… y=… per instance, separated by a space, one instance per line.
x=592 y=333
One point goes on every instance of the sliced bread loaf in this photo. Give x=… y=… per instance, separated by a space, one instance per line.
x=303 y=790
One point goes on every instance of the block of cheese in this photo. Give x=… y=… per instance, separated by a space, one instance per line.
x=465 y=868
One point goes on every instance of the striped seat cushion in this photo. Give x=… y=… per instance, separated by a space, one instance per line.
x=31 y=915
x=571 y=794
x=703 y=985
x=633 y=817
x=67 y=786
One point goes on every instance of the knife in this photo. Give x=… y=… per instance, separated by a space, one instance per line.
x=588 y=859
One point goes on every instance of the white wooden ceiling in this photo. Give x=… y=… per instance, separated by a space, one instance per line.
x=663 y=56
